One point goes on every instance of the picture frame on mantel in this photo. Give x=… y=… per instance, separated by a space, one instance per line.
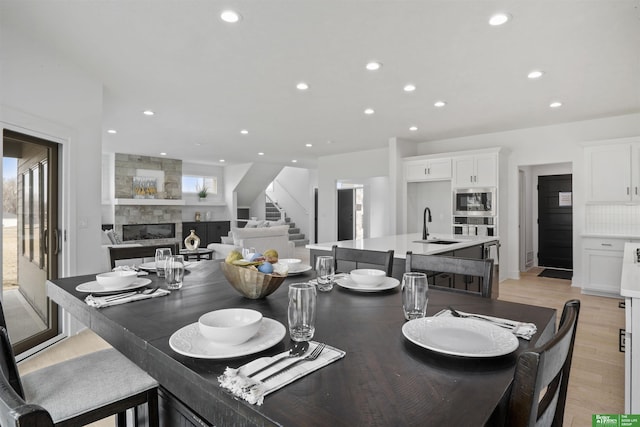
x=145 y=187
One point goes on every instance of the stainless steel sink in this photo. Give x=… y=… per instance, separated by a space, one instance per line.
x=436 y=241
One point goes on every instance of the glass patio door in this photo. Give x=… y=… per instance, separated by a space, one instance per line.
x=30 y=238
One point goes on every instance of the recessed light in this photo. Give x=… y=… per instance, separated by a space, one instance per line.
x=535 y=74
x=148 y=113
x=230 y=16
x=373 y=65
x=409 y=87
x=308 y=145
x=244 y=131
x=499 y=19
x=294 y=161
x=555 y=104
x=413 y=128
x=112 y=131
x=222 y=160
x=163 y=154
x=261 y=154
x=439 y=104
x=302 y=86
x=369 y=111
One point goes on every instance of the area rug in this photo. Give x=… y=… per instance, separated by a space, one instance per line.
x=556 y=274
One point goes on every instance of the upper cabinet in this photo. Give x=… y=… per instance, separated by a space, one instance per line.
x=475 y=171
x=427 y=169
x=613 y=173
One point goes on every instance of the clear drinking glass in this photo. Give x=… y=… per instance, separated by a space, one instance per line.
x=161 y=257
x=174 y=272
x=415 y=295
x=324 y=273
x=302 y=311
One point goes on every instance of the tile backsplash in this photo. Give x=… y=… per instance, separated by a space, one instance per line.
x=613 y=219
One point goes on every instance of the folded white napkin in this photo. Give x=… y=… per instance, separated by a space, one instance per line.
x=520 y=329
x=106 y=301
x=253 y=390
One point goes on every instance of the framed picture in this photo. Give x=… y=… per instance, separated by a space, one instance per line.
x=145 y=187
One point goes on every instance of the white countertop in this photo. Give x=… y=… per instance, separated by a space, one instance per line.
x=630 y=282
x=402 y=243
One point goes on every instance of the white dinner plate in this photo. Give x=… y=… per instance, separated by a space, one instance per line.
x=189 y=342
x=460 y=337
x=94 y=287
x=298 y=269
x=348 y=283
x=151 y=266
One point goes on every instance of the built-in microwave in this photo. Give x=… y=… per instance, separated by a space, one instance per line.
x=474 y=201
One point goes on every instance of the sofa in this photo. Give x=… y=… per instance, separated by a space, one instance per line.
x=261 y=238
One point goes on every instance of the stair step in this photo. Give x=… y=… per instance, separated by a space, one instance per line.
x=293 y=230
x=301 y=242
x=297 y=236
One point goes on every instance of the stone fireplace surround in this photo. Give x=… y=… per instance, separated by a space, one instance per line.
x=126 y=166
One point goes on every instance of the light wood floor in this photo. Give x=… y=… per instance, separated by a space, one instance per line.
x=596 y=384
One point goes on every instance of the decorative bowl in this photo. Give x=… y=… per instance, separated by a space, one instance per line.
x=230 y=326
x=116 y=279
x=251 y=283
x=367 y=276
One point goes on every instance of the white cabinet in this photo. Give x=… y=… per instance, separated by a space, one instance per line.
x=475 y=171
x=427 y=170
x=613 y=173
x=602 y=263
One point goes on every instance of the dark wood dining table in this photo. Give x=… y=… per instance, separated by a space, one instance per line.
x=384 y=379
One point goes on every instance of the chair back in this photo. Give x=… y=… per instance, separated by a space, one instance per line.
x=347 y=259
x=14 y=411
x=131 y=252
x=539 y=389
x=467 y=268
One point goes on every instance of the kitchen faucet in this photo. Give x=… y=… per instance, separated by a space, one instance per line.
x=425 y=230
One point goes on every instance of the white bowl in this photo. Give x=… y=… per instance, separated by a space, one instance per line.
x=116 y=279
x=368 y=276
x=230 y=326
x=290 y=261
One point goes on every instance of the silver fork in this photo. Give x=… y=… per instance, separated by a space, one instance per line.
x=313 y=356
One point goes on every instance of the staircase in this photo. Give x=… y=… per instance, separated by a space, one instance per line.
x=273 y=214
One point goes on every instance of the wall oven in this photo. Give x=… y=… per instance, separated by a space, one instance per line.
x=474 y=201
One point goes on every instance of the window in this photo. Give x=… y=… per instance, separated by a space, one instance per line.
x=193 y=184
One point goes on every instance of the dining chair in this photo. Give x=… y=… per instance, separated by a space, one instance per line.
x=347 y=259
x=132 y=252
x=476 y=274
x=539 y=390
x=74 y=392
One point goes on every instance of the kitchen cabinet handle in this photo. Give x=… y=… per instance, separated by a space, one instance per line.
x=428 y=171
x=621 y=340
x=628 y=192
x=636 y=187
x=606 y=244
x=425 y=171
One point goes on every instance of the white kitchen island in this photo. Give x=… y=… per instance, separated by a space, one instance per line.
x=630 y=290
x=477 y=247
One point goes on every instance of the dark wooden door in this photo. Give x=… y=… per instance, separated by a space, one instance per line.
x=555 y=216
x=345 y=214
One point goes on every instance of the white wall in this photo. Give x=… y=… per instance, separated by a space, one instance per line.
x=46 y=96
x=437 y=195
x=537 y=146
x=350 y=166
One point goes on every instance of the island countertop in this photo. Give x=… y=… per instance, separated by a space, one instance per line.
x=401 y=243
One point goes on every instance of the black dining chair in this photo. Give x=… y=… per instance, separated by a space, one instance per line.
x=347 y=259
x=74 y=392
x=455 y=274
x=539 y=390
x=134 y=252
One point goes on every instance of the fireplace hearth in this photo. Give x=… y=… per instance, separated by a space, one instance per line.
x=148 y=231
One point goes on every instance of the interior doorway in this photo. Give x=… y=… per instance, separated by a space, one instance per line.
x=555 y=221
x=30 y=246
x=346 y=204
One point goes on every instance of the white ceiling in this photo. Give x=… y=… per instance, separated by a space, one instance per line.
x=207 y=79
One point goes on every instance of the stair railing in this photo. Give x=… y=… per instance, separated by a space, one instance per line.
x=274 y=203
